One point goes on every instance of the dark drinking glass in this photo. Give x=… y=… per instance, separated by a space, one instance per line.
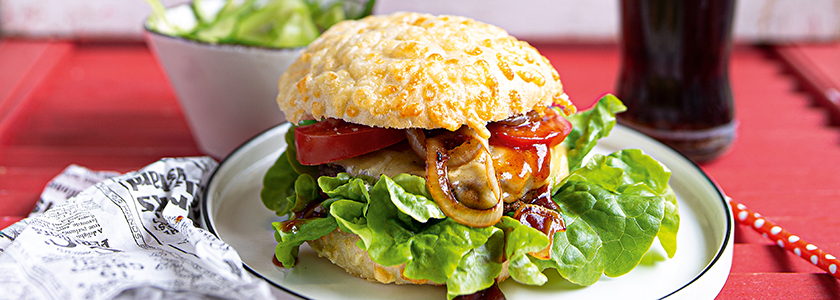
x=675 y=78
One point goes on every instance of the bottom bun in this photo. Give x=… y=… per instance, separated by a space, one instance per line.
x=340 y=248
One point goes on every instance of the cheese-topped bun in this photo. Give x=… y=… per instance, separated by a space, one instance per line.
x=411 y=70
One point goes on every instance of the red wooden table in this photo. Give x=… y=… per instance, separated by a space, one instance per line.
x=109 y=106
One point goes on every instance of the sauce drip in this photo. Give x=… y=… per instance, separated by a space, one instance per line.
x=521 y=170
x=312 y=210
x=292 y=225
x=532 y=161
x=546 y=220
x=542 y=197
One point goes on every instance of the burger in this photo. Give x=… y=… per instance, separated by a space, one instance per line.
x=441 y=150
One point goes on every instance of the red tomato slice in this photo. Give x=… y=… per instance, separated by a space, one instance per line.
x=550 y=130
x=333 y=139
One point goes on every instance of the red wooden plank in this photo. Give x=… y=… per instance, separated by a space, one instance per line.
x=25 y=179
x=102 y=95
x=818 y=203
x=768 y=258
x=95 y=158
x=586 y=71
x=780 y=286
x=5 y=221
x=17 y=58
x=128 y=128
x=36 y=61
x=20 y=204
x=818 y=230
x=818 y=68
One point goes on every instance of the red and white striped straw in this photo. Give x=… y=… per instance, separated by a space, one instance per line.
x=785 y=239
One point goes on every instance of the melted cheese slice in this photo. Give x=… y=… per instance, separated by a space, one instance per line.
x=390 y=161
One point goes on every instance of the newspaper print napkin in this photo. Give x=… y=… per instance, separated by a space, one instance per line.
x=102 y=235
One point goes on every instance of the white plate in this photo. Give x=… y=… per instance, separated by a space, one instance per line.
x=234 y=212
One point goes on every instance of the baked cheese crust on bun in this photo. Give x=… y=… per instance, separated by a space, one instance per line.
x=433 y=150
x=410 y=70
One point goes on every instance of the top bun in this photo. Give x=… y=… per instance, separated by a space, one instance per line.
x=411 y=70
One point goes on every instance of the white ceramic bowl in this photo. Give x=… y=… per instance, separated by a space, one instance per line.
x=227 y=92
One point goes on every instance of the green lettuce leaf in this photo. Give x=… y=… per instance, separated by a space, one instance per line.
x=590 y=126
x=281 y=24
x=437 y=250
x=641 y=168
x=278 y=185
x=613 y=208
x=281 y=181
x=478 y=268
x=350 y=217
x=157 y=19
x=305 y=192
x=414 y=200
x=289 y=241
x=344 y=186
x=670 y=224
x=520 y=240
x=398 y=223
x=223 y=26
x=430 y=250
x=330 y=16
x=207 y=11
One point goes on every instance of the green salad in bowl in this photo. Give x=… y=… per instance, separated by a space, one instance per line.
x=265 y=23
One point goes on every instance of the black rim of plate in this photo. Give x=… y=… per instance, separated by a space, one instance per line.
x=208 y=224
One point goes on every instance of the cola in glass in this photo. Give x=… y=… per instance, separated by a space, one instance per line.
x=674 y=78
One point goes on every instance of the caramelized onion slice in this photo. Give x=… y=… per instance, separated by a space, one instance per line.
x=437 y=181
x=460 y=155
x=417 y=139
x=464 y=153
